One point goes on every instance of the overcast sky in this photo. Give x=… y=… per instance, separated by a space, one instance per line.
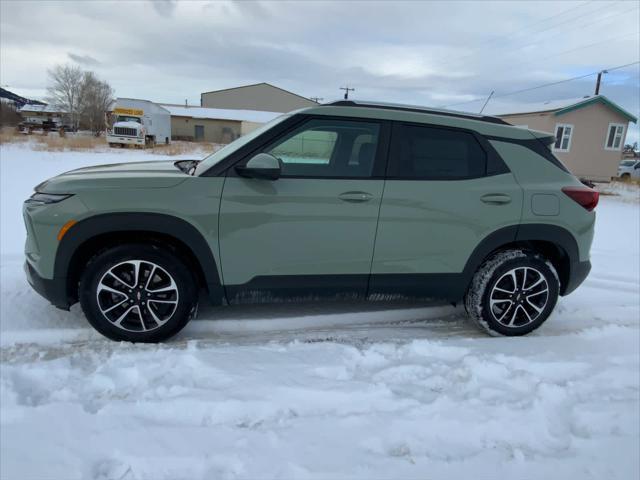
x=426 y=53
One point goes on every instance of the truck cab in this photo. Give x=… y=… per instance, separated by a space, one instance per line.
x=127 y=130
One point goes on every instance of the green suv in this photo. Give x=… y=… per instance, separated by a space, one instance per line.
x=341 y=201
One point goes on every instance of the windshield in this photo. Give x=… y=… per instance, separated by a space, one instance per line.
x=125 y=118
x=215 y=157
x=628 y=163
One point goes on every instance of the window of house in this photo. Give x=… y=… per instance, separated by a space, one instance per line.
x=328 y=149
x=564 y=132
x=430 y=153
x=615 y=136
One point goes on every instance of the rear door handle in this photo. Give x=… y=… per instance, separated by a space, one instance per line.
x=355 y=197
x=496 y=198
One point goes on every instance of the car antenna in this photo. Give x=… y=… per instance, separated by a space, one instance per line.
x=488 y=98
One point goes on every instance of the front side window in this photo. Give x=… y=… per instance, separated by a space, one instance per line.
x=564 y=133
x=615 y=134
x=237 y=144
x=429 y=153
x=328 y=149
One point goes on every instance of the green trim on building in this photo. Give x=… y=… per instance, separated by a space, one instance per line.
x=599 y=98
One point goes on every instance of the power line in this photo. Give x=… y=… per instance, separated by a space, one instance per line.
x=573 y=19
x=544 y=85
x=564 y=52
x=600 y=19
x=508 y=37
x=544 y=20
x=520 y=31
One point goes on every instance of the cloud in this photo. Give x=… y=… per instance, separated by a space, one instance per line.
x=84 y=60
x=425 y=53
x=165 y=8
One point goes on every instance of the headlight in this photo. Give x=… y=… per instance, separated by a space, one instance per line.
x=45 y=198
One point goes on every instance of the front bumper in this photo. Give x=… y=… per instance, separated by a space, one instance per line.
x=125 y=140
x=53 y=290
x=577 y=274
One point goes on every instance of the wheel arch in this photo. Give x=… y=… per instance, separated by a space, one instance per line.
x=96 y=233
x=555 y=243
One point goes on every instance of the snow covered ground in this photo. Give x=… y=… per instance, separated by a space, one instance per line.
x=320 y=392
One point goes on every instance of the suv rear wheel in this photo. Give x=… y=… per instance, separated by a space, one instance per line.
x=137 y=293
x=513 y=293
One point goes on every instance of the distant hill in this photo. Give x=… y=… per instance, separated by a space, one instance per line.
x=19 y=101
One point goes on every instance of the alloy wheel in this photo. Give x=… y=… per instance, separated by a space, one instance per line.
x=137 y=295
x=519 y=297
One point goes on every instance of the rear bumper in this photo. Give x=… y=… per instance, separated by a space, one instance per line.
x=577 y=274
x=53 y=290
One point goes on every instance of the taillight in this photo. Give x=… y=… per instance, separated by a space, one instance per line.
x=586 y=197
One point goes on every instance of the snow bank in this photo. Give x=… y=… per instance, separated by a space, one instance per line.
x=317 y=392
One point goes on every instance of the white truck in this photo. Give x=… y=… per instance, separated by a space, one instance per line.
x=138 y=122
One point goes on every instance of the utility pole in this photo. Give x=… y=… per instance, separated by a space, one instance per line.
x=316 y=99
x=598 y=81
x=488 y=98
x=346 y=91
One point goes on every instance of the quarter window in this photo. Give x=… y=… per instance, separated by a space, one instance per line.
x=328 y=149
x=564 y=132
x=615 y=134
x=429 y=153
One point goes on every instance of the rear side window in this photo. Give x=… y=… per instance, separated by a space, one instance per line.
x=429 y=153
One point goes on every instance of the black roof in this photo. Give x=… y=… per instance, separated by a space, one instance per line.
x=416 y=109
x=17 y=99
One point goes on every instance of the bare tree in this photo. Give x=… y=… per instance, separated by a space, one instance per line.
x=96 y=97
x=64 y=90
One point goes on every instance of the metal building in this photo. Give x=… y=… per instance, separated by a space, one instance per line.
x=260 y=96
x=213 y=124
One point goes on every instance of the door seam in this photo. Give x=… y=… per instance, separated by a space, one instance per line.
x=375 y=240
x=219 y=240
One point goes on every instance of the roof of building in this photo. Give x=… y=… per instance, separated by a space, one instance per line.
x=17 y=99
x=40 y=109
x=222 y=114
x=560 y=107
x=255 y=85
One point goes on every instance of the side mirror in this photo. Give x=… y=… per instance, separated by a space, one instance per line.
x=262 y=165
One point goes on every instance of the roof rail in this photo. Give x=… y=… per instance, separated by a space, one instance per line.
x=417 y=109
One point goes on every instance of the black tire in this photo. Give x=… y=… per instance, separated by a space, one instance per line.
x=626 y=176
x=174 y=305
x=512 y=314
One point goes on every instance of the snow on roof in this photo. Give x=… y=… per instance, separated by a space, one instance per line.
x=39 y=108
x=560 y=107
x=222 y=114
x=549 y=105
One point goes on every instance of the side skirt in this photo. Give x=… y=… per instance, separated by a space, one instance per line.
x=447 y=287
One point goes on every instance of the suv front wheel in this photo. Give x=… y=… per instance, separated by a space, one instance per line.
x=137 y=293
x=512 y=293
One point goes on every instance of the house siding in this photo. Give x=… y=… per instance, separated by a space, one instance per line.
x=587 y=157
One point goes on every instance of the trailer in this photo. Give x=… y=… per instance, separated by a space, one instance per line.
x=138 y=122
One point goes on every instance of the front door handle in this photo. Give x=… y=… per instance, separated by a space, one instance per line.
x=355 y=197
x=496 y=198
